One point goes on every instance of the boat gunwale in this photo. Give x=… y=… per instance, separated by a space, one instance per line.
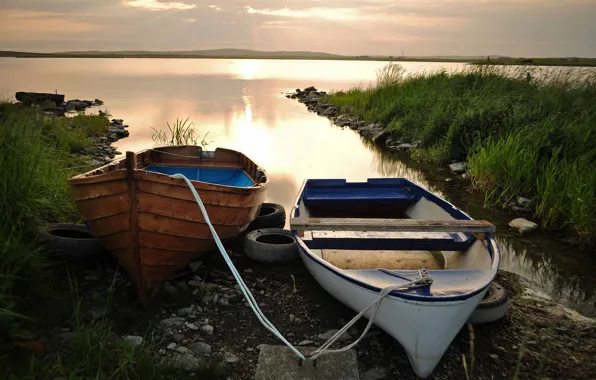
x=491 y=246
x=120 y=173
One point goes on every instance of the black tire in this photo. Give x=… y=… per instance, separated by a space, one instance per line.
x=272 y=245
x=272 y=215
x=493 y=306
x=71 y=241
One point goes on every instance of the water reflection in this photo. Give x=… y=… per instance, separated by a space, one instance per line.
x=240 y=104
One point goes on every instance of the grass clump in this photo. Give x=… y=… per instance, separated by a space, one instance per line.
x=180 y=133
x=523 y=131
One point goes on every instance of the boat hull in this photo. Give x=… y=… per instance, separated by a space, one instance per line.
x=423 y=329
x=151 y=222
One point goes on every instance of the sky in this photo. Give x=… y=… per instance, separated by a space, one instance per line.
x=526 y=28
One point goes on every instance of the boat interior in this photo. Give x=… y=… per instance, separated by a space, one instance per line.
x=221 y=166
x=391 y=250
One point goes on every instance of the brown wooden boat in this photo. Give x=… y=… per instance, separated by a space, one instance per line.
x=151 y=222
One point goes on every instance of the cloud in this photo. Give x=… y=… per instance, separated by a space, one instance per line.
x=156 y=5
x=35 y=25
x=215 y=8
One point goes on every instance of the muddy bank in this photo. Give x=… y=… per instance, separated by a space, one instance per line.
x=202 y=315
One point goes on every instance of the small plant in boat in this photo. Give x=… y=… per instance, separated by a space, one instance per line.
x=182 y=132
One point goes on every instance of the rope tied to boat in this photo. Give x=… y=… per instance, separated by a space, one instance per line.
x=423 y=281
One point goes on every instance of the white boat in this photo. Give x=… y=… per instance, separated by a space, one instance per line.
x=358 y=238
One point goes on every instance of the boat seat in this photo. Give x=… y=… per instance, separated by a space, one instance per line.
x=387 y=259
x=347 y=197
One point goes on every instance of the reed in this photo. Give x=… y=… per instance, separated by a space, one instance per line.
x=523 y=131
x=182 y=132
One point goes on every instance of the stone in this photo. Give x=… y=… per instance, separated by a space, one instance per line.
x=310 y=89
x=169 y=288
x=200 y=348
x=171 y=346
x=375 y=374
x=458 y=167
x=525 y=202
x=207 y=329
x=182 y=350
x=448 y=179
x=178 y=338
x=161 y=351
x=187 y=362
x=331 y=111
x=195 y=265
x=381 y=136
x=171 y=322
x=224 y=302
x=279 y=362
x=230 y=357
x=404 y=146
x=306 y=343
x=327 y=335
x=98 y=102
x=185 y=310
x=133 y=340
x=494 y=356
x=191 y=326
x=77 y=105
x=523 y=225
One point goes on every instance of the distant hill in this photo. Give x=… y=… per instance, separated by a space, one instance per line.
x=219 y=53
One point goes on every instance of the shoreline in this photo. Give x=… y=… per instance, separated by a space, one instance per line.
x=589 y=62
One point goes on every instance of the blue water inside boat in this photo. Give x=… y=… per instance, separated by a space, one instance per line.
x=218 y=176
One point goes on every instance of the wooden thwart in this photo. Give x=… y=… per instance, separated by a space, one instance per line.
x=409 y=225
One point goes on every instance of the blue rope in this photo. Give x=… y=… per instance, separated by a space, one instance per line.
x=247 y=294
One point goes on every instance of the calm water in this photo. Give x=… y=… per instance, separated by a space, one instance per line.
x=241 y=104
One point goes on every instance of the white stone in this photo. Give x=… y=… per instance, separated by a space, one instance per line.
x=207 y=329
x=458 y=167
x=133 y=340
x=200 y=348
x=230 y=357
x=523 y=225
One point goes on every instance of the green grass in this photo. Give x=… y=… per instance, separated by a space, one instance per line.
x=182 y=132
x=571 y=61
x=524 y=132
x=39 y=298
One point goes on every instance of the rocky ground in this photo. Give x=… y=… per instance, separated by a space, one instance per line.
x=202 y=315
x=54 y=105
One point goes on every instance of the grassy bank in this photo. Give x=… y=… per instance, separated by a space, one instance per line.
x=586 y=62
x=523 y=132
x=44 y=334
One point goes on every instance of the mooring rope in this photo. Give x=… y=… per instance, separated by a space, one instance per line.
x=423 y=280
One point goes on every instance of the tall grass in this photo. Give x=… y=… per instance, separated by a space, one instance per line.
x=523 y=131
x=180 y=133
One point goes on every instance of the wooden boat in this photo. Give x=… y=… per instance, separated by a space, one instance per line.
x=358 y=238
x=150 y=221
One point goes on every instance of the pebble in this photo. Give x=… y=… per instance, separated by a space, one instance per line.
x=248 y=270
x=133 y=340
x=523 y=225
x=161 y=351
x=171 y=346
x=494 y=356
x=187 y=362
x=182 y=350
x=185 y=311
x=169 y=288
x=327 y=335
x=207 y=329
x=171 y=322
x=458 y=167
x=178 y=338
x=448 y=179
x=230 y=357
x=224 y=302
x=292 y=317
x=200 y=348
x=305 y=343
x=260 y=285
x=250 y=349
x=192 y=326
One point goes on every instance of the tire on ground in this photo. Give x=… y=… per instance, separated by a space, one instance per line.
x=271 y=245
x=272 y=215
x=70 y=241
x=493 y=306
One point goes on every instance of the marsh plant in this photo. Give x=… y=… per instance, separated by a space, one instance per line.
x=182 y=132
x=523 y=131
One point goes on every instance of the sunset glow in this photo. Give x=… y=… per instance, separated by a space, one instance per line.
x=350 y=27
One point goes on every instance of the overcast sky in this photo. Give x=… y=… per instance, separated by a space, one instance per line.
x=359 y=27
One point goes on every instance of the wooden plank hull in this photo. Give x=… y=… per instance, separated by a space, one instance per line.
x=150 y=221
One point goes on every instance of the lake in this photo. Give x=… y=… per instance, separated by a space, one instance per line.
x=240 y=104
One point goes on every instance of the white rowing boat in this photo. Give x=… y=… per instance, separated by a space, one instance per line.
x=357 y=239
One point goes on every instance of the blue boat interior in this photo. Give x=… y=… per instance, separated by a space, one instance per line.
x=218 y=176
x=376 y=198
